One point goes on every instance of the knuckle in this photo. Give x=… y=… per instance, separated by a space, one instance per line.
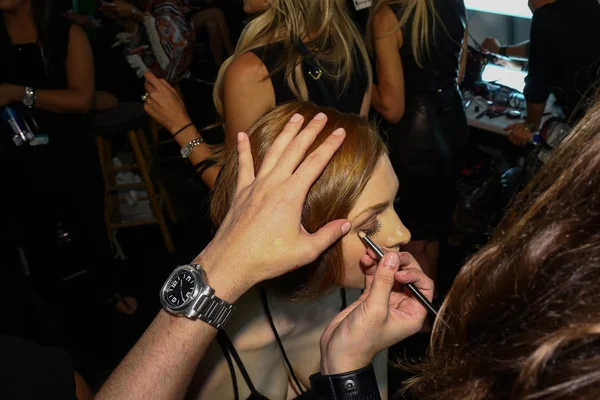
x=385 y=277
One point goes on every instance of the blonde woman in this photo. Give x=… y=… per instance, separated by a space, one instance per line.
x=420 y=51
x=268 y=68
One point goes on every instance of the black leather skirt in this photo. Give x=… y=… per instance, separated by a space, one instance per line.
x=427 y=149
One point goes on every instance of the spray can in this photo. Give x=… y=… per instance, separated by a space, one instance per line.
x=20 y=130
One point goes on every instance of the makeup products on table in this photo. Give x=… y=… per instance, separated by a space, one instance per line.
x=416 y=292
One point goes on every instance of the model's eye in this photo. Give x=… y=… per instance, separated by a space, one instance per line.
x=373 y=229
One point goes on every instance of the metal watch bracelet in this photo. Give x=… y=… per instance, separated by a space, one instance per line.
x=187 y=149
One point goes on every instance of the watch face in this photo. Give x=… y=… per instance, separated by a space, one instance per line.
x=186 y=151
x=180 y=289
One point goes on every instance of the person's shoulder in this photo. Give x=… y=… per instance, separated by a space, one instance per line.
x=247 y=67
x=385 y=15
x=548 y=13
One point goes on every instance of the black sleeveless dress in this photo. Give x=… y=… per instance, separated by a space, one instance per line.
x=428 y=144
x=348 y=101
x=57 y=183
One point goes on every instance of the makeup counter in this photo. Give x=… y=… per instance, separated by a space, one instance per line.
x=501 y=103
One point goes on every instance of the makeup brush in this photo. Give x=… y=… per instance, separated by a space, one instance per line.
x=416 y=292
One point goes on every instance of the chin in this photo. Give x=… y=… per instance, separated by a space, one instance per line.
x=356 y=283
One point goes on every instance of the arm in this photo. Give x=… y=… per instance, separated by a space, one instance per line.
x=161 y=364
x=78 y=96
x=464 y=55
x=518 y=51
x=388 y=94
x=366 y=104
x=248 y=95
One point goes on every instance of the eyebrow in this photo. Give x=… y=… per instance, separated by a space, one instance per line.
x=375 y=207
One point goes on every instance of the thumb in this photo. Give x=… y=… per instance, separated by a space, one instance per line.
x=329 y=234
x=384 y=280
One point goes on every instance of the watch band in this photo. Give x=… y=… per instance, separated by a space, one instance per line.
x=503 y=51
x=213 y=310
x=29 y=98
x=186 y=150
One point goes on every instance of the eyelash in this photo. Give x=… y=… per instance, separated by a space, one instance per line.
x=374 y=230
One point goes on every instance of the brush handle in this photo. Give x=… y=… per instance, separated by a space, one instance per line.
x=416 y=292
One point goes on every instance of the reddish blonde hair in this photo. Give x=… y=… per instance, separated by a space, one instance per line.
x=331 y=197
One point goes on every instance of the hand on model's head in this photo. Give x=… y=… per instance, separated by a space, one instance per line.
x=383 y=315
x=262 y=236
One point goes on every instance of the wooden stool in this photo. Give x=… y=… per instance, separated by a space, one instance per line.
x=129 y=117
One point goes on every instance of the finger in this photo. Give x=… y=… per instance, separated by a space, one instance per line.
x=290 y=131
x=152 y=79
x=384 y=280
x=245 y=162
x=295 y=152
x=150 y=88
x=417 y=278
x=326 y=237
x=314 y=165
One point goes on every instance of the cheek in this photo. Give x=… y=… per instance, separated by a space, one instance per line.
x=352 y=251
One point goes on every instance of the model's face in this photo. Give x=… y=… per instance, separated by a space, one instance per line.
x=253 y=6
x=373 y=214
x=12 y=5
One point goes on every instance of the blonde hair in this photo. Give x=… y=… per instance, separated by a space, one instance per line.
x=325 y=25
x=421 y=11
x=331 y=197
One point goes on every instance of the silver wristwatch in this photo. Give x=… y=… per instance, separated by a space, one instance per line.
x=186 y=150
x=187 y=294
x=29 y=98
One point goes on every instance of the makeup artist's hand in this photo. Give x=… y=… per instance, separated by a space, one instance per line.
x=383 y=315
x=262 y=236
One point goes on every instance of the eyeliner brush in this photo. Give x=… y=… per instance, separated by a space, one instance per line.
x=416 y=292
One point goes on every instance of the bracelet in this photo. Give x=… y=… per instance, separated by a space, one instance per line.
x=182 y=129
x=503 y=51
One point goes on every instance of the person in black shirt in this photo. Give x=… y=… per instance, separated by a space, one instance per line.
x=560 y=61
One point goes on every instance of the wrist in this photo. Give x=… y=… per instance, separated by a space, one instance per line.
x=341 y=363
x=227 y=286
x=180 y=124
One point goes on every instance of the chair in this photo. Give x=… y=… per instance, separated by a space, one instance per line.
x=130 y=118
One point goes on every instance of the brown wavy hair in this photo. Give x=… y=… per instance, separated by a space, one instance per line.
x=524 y=313
x=331 y=197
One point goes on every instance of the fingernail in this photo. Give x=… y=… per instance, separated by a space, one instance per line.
x=296 y=118
x=390 y=260
x=240 y=136
x=346 y=227
x=338 y=132
x=320 y=116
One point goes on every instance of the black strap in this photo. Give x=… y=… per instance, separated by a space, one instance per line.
x=315 y=72
x=344 y=301
x=227 y=355
x=204 y=165
x=228 y=348
x=263 y=296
